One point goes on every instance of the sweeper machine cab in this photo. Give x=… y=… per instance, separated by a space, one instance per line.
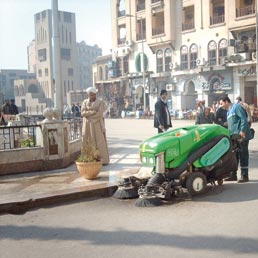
x=185 y=158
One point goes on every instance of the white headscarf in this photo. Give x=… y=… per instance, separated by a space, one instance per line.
x=91 y=90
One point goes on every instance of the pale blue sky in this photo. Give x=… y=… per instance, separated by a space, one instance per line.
x=93 y=25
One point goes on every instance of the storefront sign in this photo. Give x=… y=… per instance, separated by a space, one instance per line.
x=245 y=71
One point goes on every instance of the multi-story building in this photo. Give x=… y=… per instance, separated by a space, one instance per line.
x=68 y=52
x=86 y=57
x=7 y=78
x=195 y=49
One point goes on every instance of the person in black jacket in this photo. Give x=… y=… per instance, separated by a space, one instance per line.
x=162 y=119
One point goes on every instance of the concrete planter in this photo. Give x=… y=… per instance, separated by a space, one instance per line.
x=89 y=170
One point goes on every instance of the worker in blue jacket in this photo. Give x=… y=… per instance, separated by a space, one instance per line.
x=237 y=122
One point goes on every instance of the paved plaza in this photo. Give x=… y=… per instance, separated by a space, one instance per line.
x=21 y=192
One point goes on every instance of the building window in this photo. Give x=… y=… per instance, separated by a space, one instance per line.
x=188 y=18
x=121 y=8
x=168 y=59
x=119 y=66
x=100 y=73
x=67 y=17
x=158 y=24
x=193 y=56
x=39 y=73
x=223 y=50
x=212 y=53
x=70 y=71
x=106 y=72
x=159 y=60
x=42 y=55
x=122 y=34
x=46 y=72
x=140 y=5
x=217 y=12
x=65 y=54
x=125 y=62
x=184 y=57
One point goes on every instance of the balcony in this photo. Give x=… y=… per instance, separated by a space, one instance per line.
x=157 y=31
x=188 y=26
x=217 y=19
x=245 y=11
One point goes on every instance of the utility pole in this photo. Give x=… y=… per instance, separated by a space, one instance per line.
x=143 y=68
x=58 y=89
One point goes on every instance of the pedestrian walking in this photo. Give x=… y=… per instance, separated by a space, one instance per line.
x=162 y=119
x=93 y=128
x=238 y=125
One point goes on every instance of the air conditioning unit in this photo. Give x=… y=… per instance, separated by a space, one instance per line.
x=235 y=58
x=200 y=61
x=173 y=65
x=124 y=51
x=129 y=43
x=254 y=56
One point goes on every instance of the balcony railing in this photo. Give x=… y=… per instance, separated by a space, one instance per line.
x=121 y=41
x=188 y=26
x=157 y=31
x=245 y=11
x=217 y=19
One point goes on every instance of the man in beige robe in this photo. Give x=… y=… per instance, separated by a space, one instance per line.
x=93 y=127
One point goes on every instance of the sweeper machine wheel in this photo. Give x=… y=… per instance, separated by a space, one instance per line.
x=196 y=183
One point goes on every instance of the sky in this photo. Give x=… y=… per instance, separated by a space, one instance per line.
x=93 y=25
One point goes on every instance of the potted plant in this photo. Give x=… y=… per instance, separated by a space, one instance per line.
x=89 y=163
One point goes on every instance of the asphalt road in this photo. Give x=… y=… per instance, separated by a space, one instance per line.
x=220 y=223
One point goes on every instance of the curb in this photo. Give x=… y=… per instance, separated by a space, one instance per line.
x=21 y=207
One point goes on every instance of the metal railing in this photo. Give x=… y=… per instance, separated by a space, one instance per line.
x=12 y=137
x=75 y=129
x=245 y=11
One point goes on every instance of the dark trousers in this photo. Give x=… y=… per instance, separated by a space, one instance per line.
x=243 y=158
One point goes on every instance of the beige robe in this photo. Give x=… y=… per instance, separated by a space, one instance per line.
x=93 y=127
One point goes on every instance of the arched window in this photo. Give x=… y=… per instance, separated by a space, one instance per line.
x=32 y=88
x=184 y=57
x=168 y=59
x=223 y=50
x=138 y=62
x=159 y=60
x=100 y=73
x=212 y=53
x=193 y=55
